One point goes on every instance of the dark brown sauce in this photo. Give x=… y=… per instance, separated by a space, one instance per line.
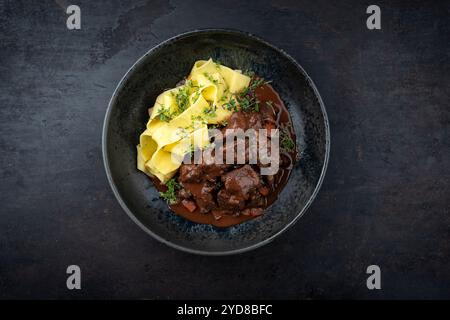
x=283 y=120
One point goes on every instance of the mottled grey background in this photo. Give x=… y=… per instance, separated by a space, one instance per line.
x=385 y=199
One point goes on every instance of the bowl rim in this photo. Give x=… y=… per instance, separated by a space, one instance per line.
x=106 y=127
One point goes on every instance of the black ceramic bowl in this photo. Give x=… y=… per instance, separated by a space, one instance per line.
x=161 y=68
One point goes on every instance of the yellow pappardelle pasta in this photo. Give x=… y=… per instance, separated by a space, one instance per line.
x=180 y=117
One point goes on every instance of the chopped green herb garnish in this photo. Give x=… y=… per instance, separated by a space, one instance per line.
x=170 y=195
x=182 y=98
x=249 y=73
x=164 y=114
x=196 y=96
x=196 y=118
x=211 y=111
x=286 y=142
x=257 y=82
x=247 y=98
x=210 y=78
x=231 y=105
x=248 y=103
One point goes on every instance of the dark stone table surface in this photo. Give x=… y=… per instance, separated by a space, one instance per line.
x=384 y=201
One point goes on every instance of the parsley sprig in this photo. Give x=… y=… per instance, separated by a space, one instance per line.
x=164 y=114
x=247 y=99
x=210 y=78
x=287 y=144
x=210 y=112
x=170 y=195
x=182 y=98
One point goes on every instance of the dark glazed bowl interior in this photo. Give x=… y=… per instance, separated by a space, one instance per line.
x=161 y=68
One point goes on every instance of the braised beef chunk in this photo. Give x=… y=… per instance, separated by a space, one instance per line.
x=184 y=194
x=213 y=171
x=255 y=120
x=245 y=120
x=201 y=172
x=190 y=173
x=248 y=153
x=232 y=149
x=229 y=201
x=264 y=119
x=238 y=120
x=256 y=199
x=206 y=200
x=242 y=182
x=203 y=194
x=189 y=205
